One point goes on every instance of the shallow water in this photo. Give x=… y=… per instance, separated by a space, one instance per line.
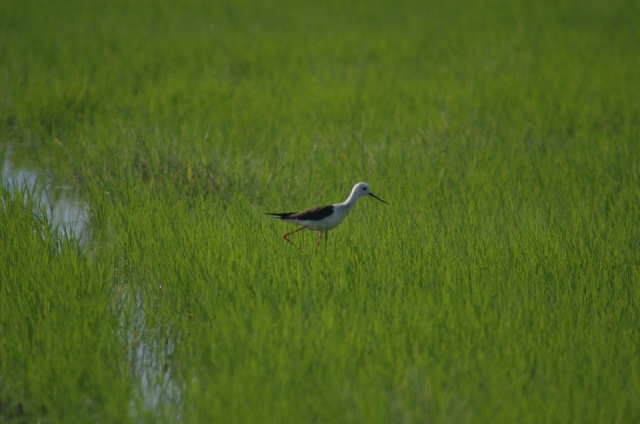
x=63 y=204
x=147 y=355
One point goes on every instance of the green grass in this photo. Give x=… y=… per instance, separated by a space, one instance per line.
x=499 y=285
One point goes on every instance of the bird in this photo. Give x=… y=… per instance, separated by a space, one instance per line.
x=324 y=218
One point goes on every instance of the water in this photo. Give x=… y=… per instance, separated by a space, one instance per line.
x=63 y=204
x=148 y=355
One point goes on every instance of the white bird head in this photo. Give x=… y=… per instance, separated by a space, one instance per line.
x=362 y=189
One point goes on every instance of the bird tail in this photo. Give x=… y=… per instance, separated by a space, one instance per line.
x=279 y=215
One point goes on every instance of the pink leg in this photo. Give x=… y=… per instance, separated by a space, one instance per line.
x=284 y=236
x=319 y=237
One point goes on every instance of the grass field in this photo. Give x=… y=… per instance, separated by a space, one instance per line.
x=500 y=285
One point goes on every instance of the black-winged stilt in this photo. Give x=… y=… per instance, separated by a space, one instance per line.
x=324 y=218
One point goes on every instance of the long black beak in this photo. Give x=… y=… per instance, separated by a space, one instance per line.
x=376 y=197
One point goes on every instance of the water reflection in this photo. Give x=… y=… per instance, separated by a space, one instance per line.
x=149 y=346
x=62 y=203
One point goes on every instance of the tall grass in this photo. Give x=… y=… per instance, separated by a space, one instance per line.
x=499 y=285
x=61 y=354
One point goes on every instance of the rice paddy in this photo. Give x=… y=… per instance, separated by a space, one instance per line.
x=142 y=143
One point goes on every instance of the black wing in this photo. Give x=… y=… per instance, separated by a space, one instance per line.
x=314 y=214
